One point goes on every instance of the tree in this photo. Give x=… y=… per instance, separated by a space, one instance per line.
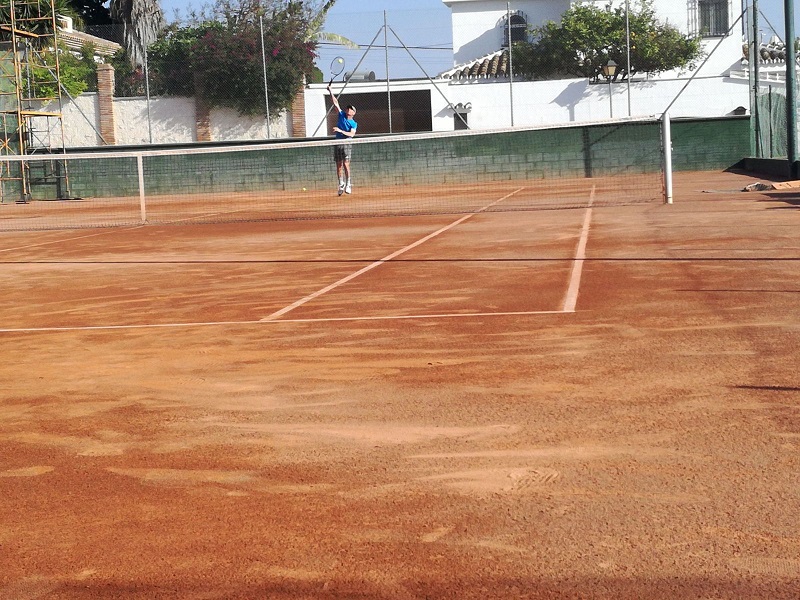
x=91 y=12
x=142 y=21
x=77 y=73
x=239 y=13
x=219 y=55
x=589 y=36
x=31 y=15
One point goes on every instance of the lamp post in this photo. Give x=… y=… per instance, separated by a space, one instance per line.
x=609 y=70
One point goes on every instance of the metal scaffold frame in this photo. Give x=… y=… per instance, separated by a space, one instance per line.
x=31 y=118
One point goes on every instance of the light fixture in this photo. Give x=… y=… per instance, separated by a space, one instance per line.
x=609 y=69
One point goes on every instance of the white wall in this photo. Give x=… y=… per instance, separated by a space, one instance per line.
x=171 y=121
x=476 y=29
x=674 y=12
x=78 y=129
x=553 y=102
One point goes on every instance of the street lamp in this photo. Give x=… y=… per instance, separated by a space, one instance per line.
x=609 y=70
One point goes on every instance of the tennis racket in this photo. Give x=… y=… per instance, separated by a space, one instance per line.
x=337 y=66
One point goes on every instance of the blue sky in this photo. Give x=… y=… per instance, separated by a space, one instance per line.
x=419 y=24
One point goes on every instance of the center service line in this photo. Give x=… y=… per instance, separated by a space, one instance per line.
x=378 y=263
x=571 y=299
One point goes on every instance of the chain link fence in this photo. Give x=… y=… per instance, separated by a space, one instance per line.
x=408 y=70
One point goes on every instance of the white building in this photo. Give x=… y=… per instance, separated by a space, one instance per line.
x=480 y=27
x=480 y=90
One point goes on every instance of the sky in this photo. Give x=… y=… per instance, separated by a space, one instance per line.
x=423 y=27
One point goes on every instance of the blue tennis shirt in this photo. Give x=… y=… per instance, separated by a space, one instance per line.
x=345 y=124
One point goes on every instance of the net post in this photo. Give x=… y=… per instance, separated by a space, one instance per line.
x=666 y=141
x=142 y=203
x=791 y=90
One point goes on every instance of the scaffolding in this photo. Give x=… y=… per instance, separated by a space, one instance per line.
x=30 y=101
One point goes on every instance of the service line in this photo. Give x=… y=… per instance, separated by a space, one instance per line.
x=63 y=329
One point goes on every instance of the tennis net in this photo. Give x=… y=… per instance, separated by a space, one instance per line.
x=455 y=172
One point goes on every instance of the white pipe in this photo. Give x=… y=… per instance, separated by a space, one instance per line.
x=667 y=150
x=628 y=47
x=264 y=70
x=142 y=202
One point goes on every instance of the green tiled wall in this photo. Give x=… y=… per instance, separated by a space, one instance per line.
x=709 y=144
x=583 y=151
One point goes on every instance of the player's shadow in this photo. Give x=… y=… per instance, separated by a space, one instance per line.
x=768 y=388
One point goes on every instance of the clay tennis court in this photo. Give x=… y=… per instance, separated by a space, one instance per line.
x=594 y=402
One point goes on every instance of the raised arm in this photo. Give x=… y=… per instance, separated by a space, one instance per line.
x=333 y=99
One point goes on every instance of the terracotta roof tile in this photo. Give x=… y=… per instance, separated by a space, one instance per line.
x=492 y=66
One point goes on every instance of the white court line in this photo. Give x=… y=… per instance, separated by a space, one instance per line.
x=116 y=327
x=571 y=298
x=72 y=239
x=281 y=322
x=410 y=317
x=383 y=260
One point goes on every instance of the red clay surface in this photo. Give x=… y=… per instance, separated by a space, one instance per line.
x=393 y=199
x=436 y=427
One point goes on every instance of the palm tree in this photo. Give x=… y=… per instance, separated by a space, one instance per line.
x=142 y=21
x=316 y=22
x=32 y=15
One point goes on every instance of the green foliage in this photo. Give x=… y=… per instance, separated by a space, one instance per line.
x=589 y=36
x=218 y=58
x=32 y=17
x=128 y=80
x=222 y=61
x=317 y=76
x=169 y=60
x=77 y=73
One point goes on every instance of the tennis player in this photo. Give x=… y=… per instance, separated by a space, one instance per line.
x=345 y=130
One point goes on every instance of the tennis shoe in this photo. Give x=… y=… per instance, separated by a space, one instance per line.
x=348 y=189
x=341 y=189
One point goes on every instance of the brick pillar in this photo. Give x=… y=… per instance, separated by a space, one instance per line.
x=202 y=111
x=105 y=102
x=299 y=112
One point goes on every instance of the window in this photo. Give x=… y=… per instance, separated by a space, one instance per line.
x=713 y=17
x=460 y=121
x=519 y=29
